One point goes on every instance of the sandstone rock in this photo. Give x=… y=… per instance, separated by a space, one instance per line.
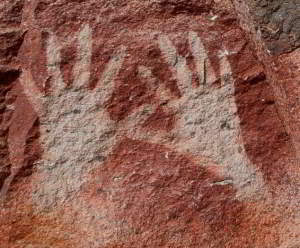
x=161 y=123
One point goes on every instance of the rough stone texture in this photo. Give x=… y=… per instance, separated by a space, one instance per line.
x=161 y=123
x=279 y=23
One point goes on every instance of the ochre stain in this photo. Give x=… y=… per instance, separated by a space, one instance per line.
x=19 y=129
x=33 y=152
x=20 y=226
x=166 y=199
x=265 y=139
x=162 y=119
x=192 y=7
x=131 y=91
x=153 y=59
x=101 y=55
x=38 y=60
x=23 y=137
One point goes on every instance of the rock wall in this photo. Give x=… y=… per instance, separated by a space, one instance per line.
x=273 y=26
x=161 y=123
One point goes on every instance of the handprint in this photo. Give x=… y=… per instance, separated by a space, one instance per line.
x=207 y=123
x=76 y=131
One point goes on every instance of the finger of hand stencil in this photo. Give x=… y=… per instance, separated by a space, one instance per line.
x=105 y=86
x=199 y=54
x=178 y=64
x=53 y=64
x=204 y=69
x=32 y=91
x=81 y=71
x=225 y=70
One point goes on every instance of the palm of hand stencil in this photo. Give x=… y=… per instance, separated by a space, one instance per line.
x=207 y=124
x=76 y=131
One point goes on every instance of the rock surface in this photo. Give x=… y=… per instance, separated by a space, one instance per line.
x=160 y=123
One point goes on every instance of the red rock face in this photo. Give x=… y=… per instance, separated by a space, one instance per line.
x=161 y=199
x=146 y=124
x=279 y=49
